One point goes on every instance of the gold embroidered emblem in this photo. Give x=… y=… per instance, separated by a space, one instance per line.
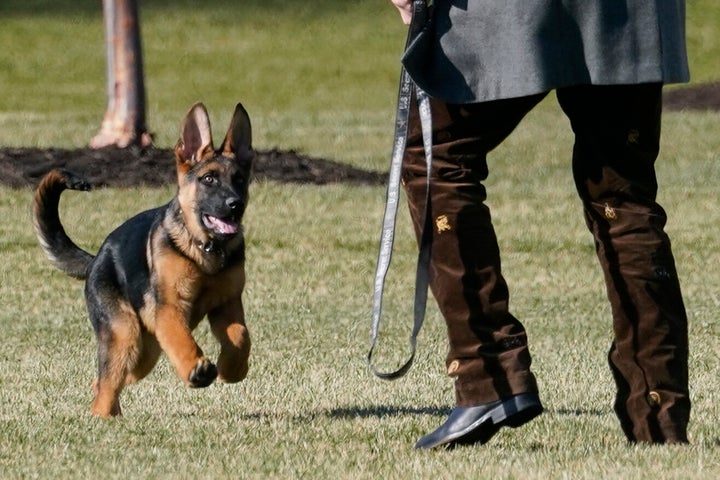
x=453 y=367
x=633 y=137
x=654 y=398
x=442 y=224
x=610 y=213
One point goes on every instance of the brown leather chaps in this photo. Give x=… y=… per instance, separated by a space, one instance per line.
x=617 y=132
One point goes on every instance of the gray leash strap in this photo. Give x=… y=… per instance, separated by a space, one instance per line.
x=391 y=206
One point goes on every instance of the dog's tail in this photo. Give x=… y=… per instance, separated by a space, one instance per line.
x=58 y=247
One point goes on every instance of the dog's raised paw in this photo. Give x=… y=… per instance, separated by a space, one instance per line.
x=203 y=374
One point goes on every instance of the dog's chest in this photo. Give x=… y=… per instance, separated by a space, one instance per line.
x=216 y=290
x=203 y=293
x=179 y=281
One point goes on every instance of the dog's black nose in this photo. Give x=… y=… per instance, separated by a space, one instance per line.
x=233 y=203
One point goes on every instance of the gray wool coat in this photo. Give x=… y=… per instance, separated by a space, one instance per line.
x=480 y=50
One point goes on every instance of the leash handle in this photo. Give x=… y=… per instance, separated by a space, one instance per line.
x=405 y=92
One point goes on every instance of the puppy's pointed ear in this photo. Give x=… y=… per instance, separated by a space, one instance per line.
x=195 y=136
x=238 y=139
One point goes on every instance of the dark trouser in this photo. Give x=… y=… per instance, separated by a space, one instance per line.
x=617 y=131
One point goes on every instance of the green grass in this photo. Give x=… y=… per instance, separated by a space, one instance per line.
x=310 y=408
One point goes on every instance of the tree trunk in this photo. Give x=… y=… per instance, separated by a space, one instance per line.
x=124 y=122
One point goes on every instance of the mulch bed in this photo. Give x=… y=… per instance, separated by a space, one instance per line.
x=114 y=167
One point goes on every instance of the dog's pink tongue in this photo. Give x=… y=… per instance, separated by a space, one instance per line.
x=221 y=226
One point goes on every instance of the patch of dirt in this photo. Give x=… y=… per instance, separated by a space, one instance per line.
x=698 y=97
x=114 y=167
x=23 y=167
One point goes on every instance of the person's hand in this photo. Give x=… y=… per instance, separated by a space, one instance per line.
x=405 y=8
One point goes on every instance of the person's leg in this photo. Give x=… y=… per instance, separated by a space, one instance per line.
x=488 y=354
x=617 y=132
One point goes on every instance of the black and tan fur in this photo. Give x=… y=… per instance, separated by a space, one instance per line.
x=161 y=272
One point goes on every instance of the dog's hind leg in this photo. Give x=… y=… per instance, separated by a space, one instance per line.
x=118 y=354
x=149 y=354
x=228 y=326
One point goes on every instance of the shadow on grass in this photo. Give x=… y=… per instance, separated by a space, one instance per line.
x=350 y=412
x=384 y=411
x=579 y=412
x=381 y=411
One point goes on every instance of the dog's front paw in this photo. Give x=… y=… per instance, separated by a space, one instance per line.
x=203 y=374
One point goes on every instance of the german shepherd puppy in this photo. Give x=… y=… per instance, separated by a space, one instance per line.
x=161 y=272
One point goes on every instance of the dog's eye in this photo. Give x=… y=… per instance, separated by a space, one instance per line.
x=207 y=179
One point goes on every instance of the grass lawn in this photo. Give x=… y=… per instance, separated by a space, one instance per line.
x=310 y=408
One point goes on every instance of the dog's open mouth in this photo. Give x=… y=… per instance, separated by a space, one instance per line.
x=221 y=226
